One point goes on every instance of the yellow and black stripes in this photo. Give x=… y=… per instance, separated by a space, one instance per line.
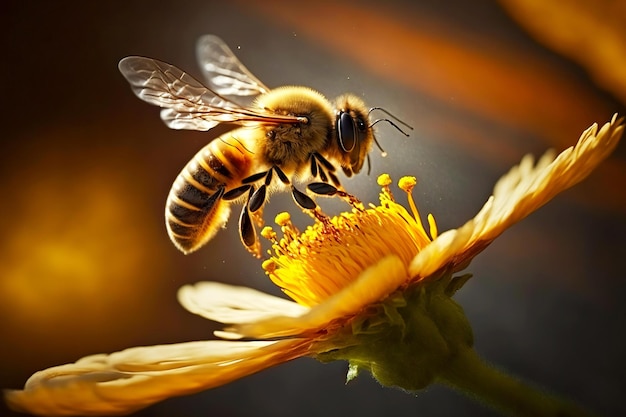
x=195 y=210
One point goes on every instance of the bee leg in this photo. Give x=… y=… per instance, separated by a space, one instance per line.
x=323 y=188
x=281 y=175
x=306 y=203
x=314 y=166
x=247 y=233
x=235 y=193
x=257 y=199
x=321 y=167
x=326 y=189
x=323 y=219
x=352 y=200
x=302 y=199
x=257 y=217
x=309 y=206
x=252 y=211
x=254 y=177
x=329 y=185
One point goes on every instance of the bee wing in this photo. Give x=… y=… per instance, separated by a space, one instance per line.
x=223 y=71
x=186 y=103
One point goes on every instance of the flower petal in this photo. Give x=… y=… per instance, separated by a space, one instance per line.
x=372 y=285
x=441 y=252
x=134 y=378
x=234 y=304
x=524 y=189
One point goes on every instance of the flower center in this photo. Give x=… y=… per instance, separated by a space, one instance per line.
x=330 y=254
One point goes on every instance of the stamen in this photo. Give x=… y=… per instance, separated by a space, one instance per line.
x=432 y=226
x=407 y=184
x=328 y=255
x=283 y=219
x=268 y=233
x=384 y=180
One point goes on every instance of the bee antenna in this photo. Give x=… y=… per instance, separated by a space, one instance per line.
x=382 y=151
x=389 y=121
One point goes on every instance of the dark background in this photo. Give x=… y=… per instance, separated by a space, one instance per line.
x=86 y=265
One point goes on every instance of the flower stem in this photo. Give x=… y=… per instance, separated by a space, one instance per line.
x=469 y=374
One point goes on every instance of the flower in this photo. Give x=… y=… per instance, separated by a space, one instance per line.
x=372 y=286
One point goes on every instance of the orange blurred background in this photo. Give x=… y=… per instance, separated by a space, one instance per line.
x=86 y=265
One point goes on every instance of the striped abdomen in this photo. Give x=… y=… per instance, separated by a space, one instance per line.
x=195 y=211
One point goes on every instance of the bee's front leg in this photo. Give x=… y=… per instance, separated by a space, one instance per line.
x=329 y=184
x=322 y=168
x=329 y=190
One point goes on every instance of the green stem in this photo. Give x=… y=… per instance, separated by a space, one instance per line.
x=468 y=373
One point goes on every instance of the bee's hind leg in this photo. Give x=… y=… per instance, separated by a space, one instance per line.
x=252 y=209
x=247 y=232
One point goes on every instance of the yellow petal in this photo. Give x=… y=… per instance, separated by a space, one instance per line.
x=527 y=187
x=442 y=251
x=372 y=285
x=231 y=304
x=134 y=378
x=524 y=189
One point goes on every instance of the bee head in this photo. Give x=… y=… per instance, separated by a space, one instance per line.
x=353 y=133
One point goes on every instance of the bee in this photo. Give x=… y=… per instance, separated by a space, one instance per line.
x=285 y=134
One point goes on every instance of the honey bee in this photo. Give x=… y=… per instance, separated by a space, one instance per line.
x=286 y=134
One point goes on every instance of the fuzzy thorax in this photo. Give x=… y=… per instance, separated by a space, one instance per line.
x=291 y=144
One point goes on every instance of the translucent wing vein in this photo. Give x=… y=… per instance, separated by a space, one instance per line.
x=186 y=103
x=223 y=71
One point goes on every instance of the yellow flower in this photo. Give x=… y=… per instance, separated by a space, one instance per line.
x=372 y=286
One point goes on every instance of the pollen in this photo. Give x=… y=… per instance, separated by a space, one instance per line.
x=407 y=183
x=283 y=219
x=269 y=234
x=312 y=265
x=384 y=180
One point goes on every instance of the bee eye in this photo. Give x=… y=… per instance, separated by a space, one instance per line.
x=346 y=131
x=361 y=125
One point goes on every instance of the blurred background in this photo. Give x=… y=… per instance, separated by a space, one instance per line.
x=85 y=262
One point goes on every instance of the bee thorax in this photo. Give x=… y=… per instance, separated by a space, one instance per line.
x=293 y=143
x=286 y=144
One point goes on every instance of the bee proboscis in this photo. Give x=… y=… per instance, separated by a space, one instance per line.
x=287 y=133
